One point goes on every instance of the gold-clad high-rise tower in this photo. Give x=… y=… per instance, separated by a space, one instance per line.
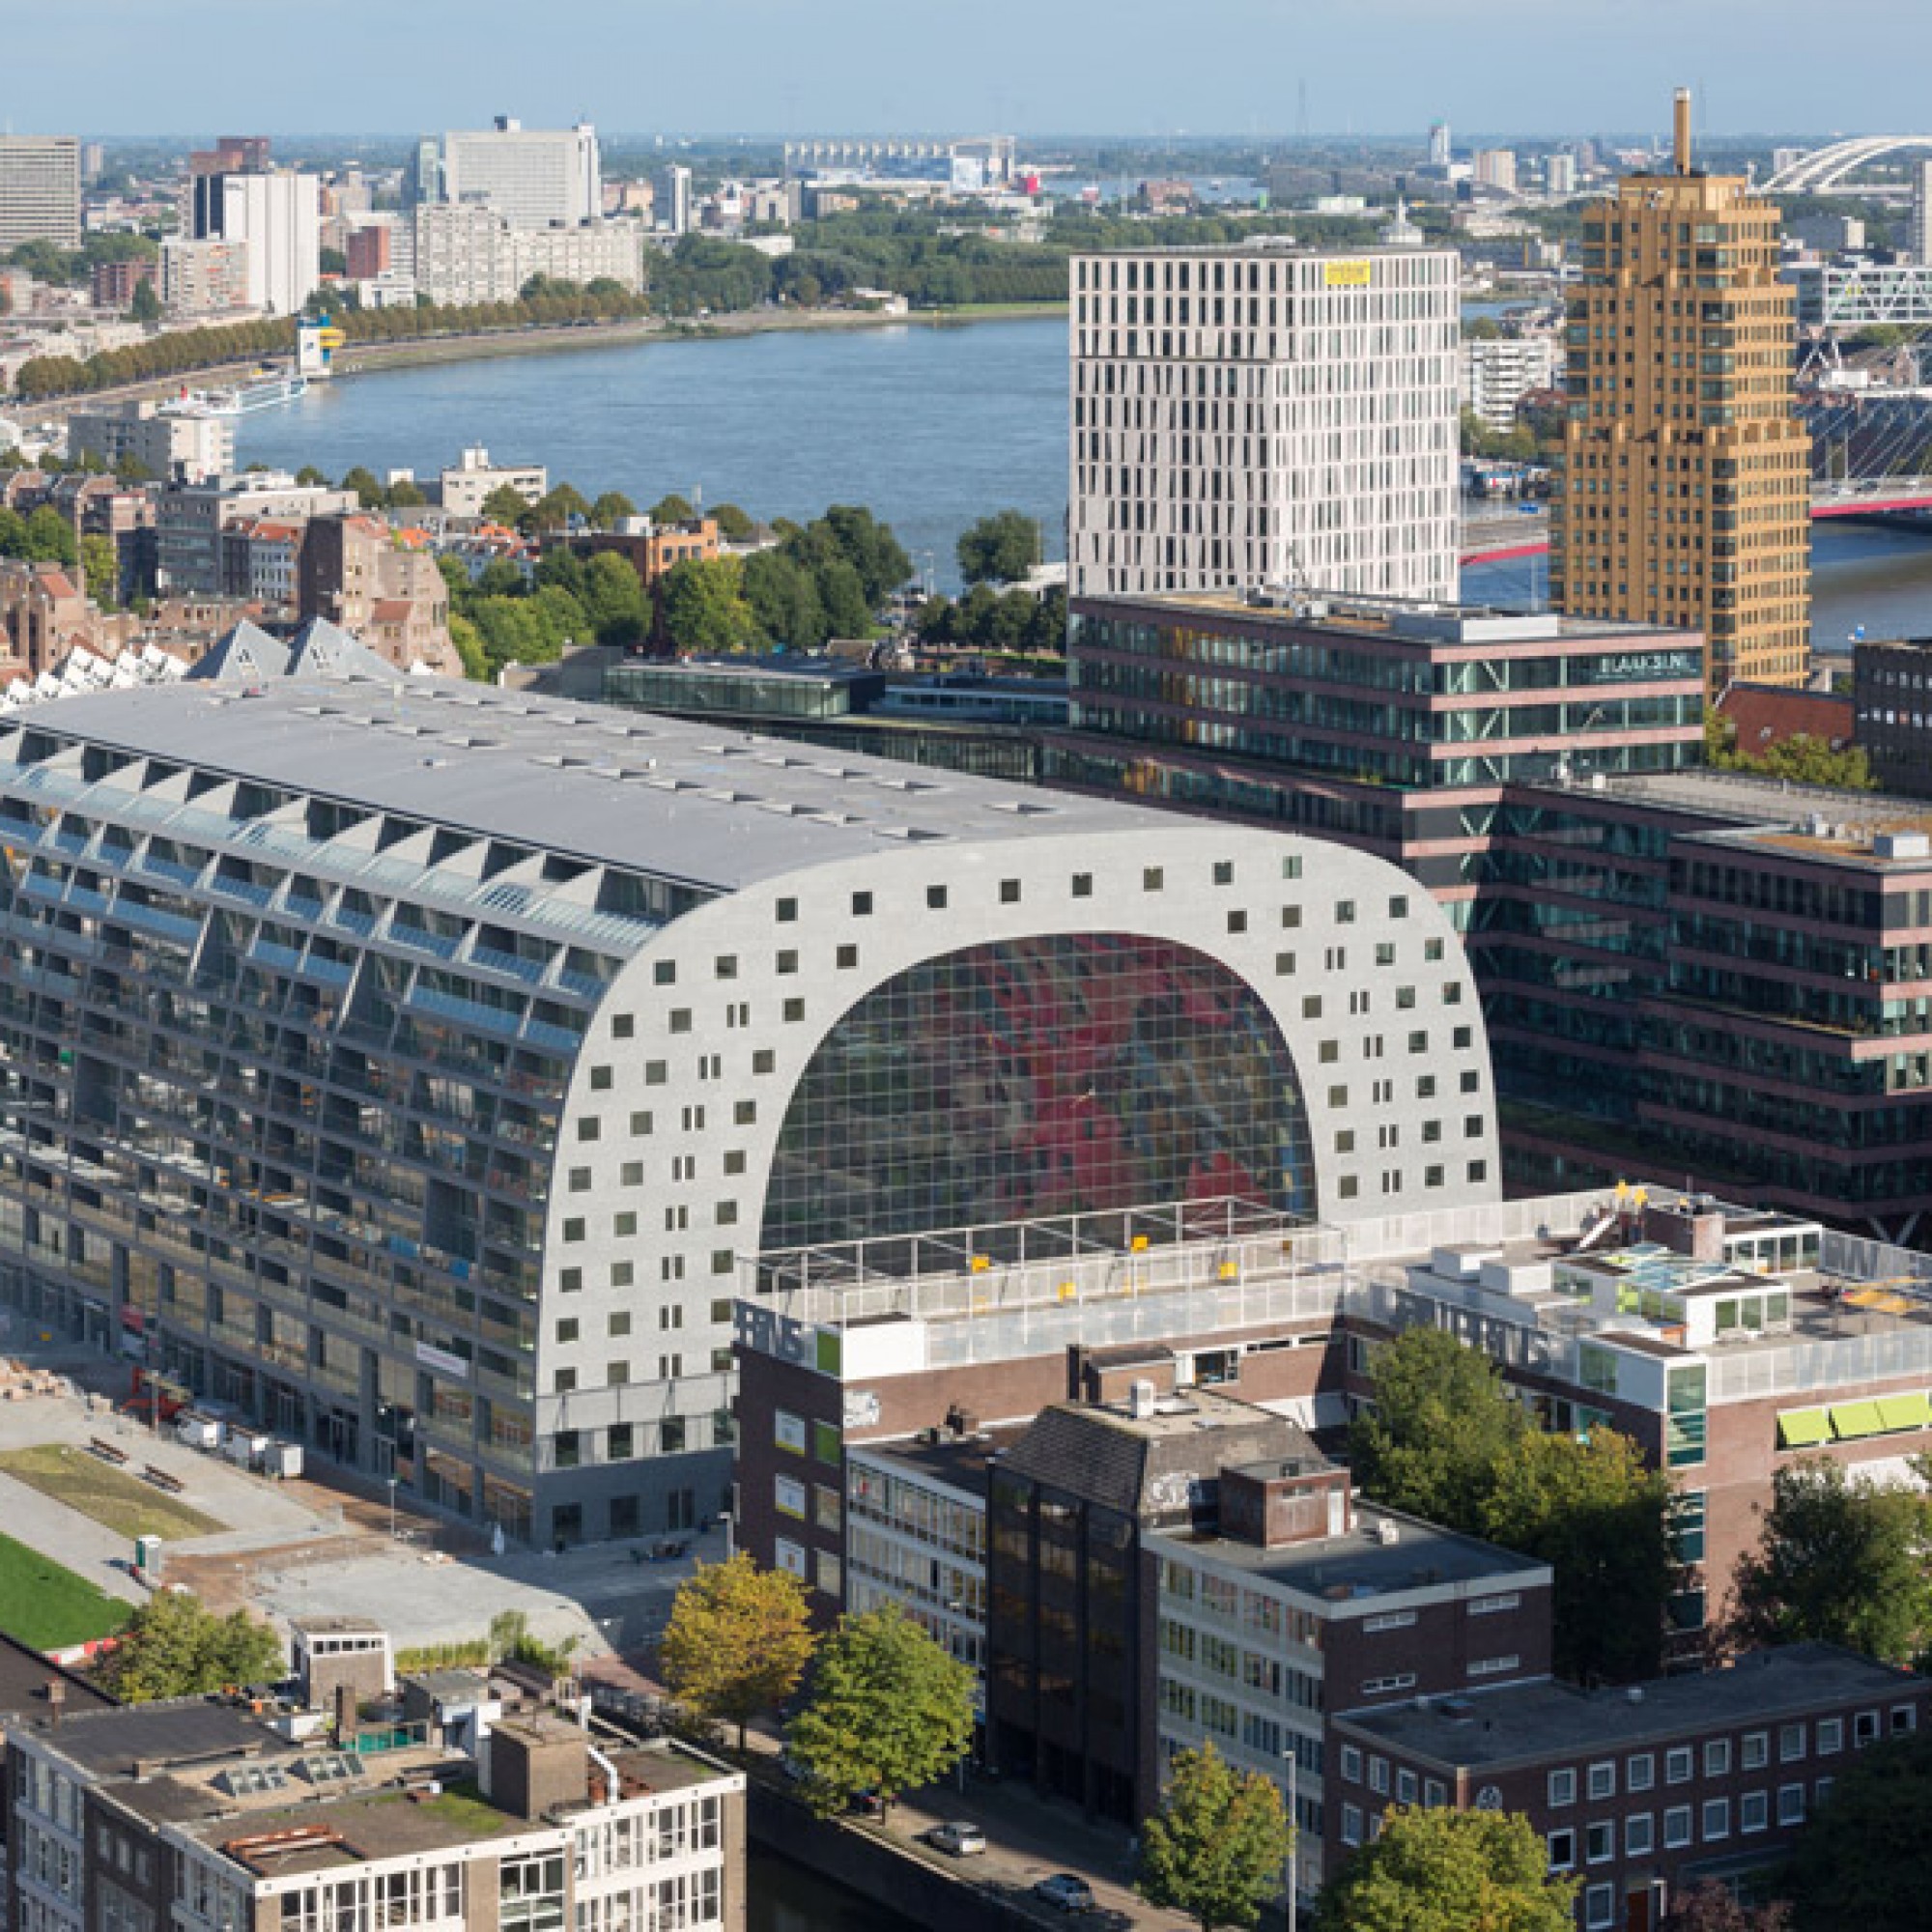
x=1684 y=494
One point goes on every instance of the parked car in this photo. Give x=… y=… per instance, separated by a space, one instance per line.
x=1066 y=1893
x=958 y=1837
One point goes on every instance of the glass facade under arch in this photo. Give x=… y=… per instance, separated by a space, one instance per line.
x=1035 y=1077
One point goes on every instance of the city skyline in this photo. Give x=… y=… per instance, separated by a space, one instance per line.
x=1082 y=69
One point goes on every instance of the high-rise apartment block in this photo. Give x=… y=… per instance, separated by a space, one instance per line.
x=533 y=178
x=476 y=254
x=39 y=189
x=1920 y=238
x=672 y=199
x=204 y=277
x=1496 y=168
x=1247 y=416
x=1686 y=471
x=279 y=217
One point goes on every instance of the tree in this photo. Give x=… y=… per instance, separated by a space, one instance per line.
x=50 y=538
x=738 y=1640
x=1601 y=1519
x=734 y=525
x=102 y=562
x=311 y=478
x=333 y=262
x=784 y=601
x=369 y=493
x=999 y=549
x=673 y=509
x=1800 y=758
x=564 y=506
x=1449 y=1871
x=1444 y=1441
x=611 y=509
x=1864 y=1858
x=705 y=608
x=613 y=598
x=1840 y=1559
x=890 y=1711
x=129 y=469
x=1438 y=1430
x=145 y=305
x=404 y=495
x=174 y=1646
x=502 y=505
x=1710 y=1907
x=1216 y=1848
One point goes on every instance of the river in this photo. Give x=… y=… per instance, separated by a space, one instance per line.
x=785 y=1898
x=931 y=427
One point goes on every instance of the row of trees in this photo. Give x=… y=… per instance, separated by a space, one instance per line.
x=48 y=262
x=181 y=353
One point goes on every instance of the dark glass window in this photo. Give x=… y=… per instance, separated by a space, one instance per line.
x=1039 y=1077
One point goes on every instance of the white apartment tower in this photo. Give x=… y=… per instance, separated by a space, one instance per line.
x=39 y=189
x=278 y=217
x=1252 y=417
x=533 y=178
x=1921 y=244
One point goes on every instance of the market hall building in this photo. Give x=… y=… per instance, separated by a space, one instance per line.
x=412 y=1064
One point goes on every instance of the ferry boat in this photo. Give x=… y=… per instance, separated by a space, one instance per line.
x=242 y=400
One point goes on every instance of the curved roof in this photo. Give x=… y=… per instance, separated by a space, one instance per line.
x=715 y=809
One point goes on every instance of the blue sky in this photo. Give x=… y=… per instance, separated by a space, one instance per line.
x=1079 y=66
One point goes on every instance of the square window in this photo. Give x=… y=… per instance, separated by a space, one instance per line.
x=1754 y=1811
x=1348 y=1187
x=787 y=961
x=793 y=1011
x=787 y=911
x=744 y=1112
x=1151 y=879
x=1399 y=906
x=1639 y=1772
x=1600 y=1844
x=1351 y=1764
x=1717 y=1821
x=641 y=1125
x=1284 y=963
x=573 y=1228
x=1010 y=892
x=625 y=1225
x=1329 y=1052
x=847 y=957
x=580 y=1181
x=1345 y=912
x=1562 y=1788
x=1677 y=1828
x=935 y=898
x=1224 y=872
x=1290 y=917
x=656 y=1072
x=1600 y=1907
x=570 y=1281
x=680 y=1019
x=1338 y=1096
x=1460 y=1038
x=1384 y=952
x=1790 y=1742
x=1603 y=1779
x=664 y=973
x=1479 y=1170
x=728 y=966
x=588 y=1128
x=1718 y=1757
x=1431 y=950
x=1831 y=1736
x=764 y=1060
x=1311 y=1006
x=1640 y=1835
x=623 y=1026
x=1290 y=866
x=564 y=1382
x=1345 y=1140
x=623 y=1274
x=1756 y=1750
x=1237 y=922
x=1791 y=1804
x=723 y=1261
x=1352 y=1823
x=1864 y=1728
x=1679 y=1764
x=567 y=1332
x=600 y=1080
x=861 y=905
x=1083 y=884
x=1562 y=1851
x=617 y=1374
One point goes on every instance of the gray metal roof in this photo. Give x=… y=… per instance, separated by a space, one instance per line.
x=718 y=809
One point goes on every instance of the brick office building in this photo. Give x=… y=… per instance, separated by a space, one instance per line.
x=1639 y=1793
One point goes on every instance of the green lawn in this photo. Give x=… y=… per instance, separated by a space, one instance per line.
x=49 y=1607
x=112 y=1496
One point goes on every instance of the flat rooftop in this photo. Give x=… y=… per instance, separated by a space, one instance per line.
x=959 y=1461
x=645 y=793
x=1529 y=1723
x=26 y=1676
x=1403 y=621
x=1809 y=821
x=1384 y=1554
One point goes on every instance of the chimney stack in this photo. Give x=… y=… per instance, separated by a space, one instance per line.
x=1683 y=131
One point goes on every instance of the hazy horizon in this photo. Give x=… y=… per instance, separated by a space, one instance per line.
x=1076 y=69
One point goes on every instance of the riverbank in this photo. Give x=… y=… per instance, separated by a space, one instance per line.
x=355 y=358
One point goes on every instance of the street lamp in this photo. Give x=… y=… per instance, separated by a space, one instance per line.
x=1294 y=1840
x=392 y=1508
x=725 y=1518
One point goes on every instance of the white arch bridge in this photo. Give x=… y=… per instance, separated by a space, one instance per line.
x=1829 y=170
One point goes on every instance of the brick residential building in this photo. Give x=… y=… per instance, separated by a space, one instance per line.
x=1639 y=1793
x=355 y=573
